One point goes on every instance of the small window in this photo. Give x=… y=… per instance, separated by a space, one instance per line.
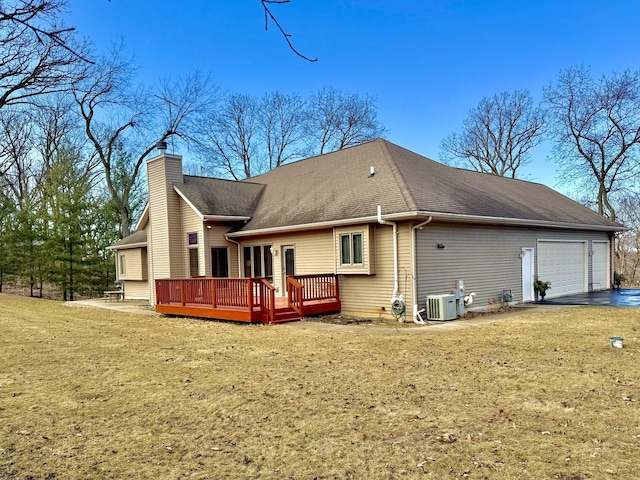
x=193 y=239
x=351 y=249
x=123 y=265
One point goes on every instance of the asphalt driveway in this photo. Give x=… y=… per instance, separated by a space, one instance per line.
x=624 y=297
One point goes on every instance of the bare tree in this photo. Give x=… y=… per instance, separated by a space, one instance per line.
x=497 y=135
x=281 y=121
x=596 y=129
x=228 y=137
x=337 y=120
x=123 y=123
x=628 y=242
x=19 y=171
x=38 y=55
x=247 y=136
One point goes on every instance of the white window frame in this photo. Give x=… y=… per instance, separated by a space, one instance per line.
x=123 y=265
x=351 y=245
x=364 y=265
x=191 y=247
x=263 y=260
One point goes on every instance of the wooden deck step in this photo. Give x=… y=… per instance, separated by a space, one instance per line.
x=283 y=315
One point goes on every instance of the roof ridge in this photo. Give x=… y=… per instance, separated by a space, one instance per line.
x=230 y=180
x=411 y=203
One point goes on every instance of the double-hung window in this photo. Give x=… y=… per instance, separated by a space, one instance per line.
x=351 y=249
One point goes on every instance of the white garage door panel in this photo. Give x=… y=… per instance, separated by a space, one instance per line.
x=600 y=265
x=564 y=265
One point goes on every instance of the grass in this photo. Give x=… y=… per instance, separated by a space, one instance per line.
x=88 y=393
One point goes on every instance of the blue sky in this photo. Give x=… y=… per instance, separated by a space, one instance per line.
x=428 y=62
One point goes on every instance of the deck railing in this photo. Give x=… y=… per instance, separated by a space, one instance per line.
x=295 y=295
x=303 y=289
x=215 y=292
x=255 y=296
x=267 y=301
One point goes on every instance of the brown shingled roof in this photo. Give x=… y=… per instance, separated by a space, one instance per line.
x=135 y=240
x=338 y=186
x=214 y=196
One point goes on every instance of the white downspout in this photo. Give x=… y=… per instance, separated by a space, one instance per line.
x=240 y=269
x=414 y=270
x=395 y=251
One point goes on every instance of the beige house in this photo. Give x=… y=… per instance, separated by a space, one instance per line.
x=387 y=223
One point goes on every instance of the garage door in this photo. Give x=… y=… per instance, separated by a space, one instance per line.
x=600 y=265
x=564 y=265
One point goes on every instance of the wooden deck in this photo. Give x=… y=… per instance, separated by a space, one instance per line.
x=250 y=300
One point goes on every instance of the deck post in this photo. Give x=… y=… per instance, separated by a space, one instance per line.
x=250 y=296
x=272 y=309
x=214 y=300
x=182 y=292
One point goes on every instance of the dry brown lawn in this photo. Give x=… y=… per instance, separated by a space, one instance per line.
x=89 y=393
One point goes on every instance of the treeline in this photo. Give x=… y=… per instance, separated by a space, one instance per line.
x=77 y=127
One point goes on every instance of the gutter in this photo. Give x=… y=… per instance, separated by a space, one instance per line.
x=436 y=216
x=306 y=226
x=127 y=246
x=455 y=217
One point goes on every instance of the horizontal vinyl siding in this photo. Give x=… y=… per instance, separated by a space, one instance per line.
x=192 y=223
x=177 y=235
x=600 y=279
x=313 y=253
x=135 y=264
x=214 y=237
x=371 y=295
x=151 y=271
x=486 y=258
x=136 y=290
x=316 y=252
x=158 y=218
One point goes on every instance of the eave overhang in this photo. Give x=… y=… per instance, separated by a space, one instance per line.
x=423 y=215
x=127 y=246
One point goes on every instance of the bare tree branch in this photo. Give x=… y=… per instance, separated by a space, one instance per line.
x=497 y=135
x=596 y=128
x=36 y=55
x=123 y=123
x=268 y=15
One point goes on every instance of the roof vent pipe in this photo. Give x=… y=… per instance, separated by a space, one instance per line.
x=395 y=252
x=372 y=171
x=162 y=147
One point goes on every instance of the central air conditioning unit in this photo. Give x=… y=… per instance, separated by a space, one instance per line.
x=441 y=307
